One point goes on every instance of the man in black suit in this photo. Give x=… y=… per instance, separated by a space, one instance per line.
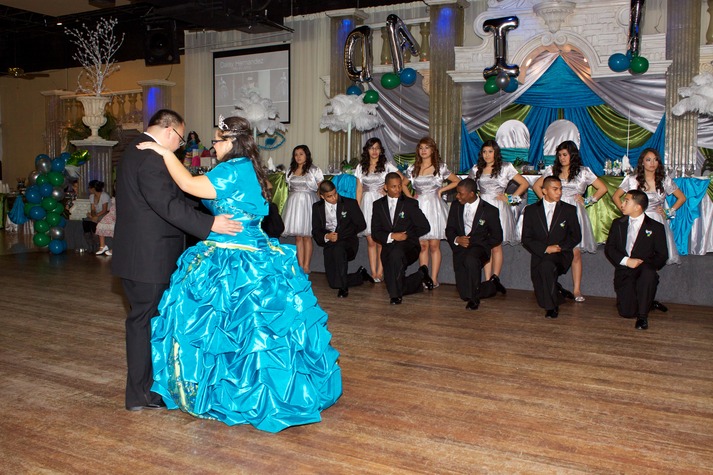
x=636 y=247
x=151 y=217
x=473 y=229
x=550 y=232
x=336 y=222
x=396 y=223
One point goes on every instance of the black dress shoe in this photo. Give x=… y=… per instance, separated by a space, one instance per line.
x=396 y=300
x=343 y=293
x=554 y=313
x=659 y=306
x=498 y=286
x=427 y=281
x=365 y=275
x=472 y=305
x=564 y=292
x=642 y=323
x=152 y=406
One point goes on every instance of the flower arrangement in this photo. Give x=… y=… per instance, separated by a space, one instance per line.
x=95 y=52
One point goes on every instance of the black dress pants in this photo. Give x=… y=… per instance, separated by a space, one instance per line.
x=635 y=290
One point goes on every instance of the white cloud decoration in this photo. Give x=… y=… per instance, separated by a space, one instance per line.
x=259 y=111
x=698 y=96
x=345 y=112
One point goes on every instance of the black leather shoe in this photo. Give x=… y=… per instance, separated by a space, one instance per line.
x=554 y=313
x=343 y=293
x=641 y=323
x=149 y=407
x=396 y=301
x=498 y=286
x=659 y=306
x=427 y=281
x=472 y=305
x=365 y=275
x=564 y=292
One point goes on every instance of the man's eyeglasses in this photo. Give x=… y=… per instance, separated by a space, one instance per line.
x=183 y=141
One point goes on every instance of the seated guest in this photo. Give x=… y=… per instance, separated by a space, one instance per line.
x=636 y=246
x=336 y=223
x=550 y=232
x=472 y=230
x=396 y=224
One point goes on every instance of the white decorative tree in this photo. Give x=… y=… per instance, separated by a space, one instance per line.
x=345 y=112
x=260 y=112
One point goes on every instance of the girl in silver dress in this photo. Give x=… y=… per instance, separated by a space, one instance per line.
x=427 y=175
x=575 y=180
x=302 y=178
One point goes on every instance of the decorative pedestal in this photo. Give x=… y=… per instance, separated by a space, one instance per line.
x=94 y=114
x=99 y=166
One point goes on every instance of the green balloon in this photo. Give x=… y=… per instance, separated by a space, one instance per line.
x=390 y=81
x=639 y=65
x=42 y=179
x=41 y=240
x=370 y=97
x=53 y=219
x=56 y=178
x=42 y=226
x=28 y=207
x=48 y=203
x=490 y=86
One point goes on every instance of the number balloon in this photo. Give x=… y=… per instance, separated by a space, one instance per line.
x=359 y=34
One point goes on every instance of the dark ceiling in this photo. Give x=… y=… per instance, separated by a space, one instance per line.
x=34 y=42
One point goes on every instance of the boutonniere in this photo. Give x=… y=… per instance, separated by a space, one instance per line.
x=401 y=215
x=648 y=233
x=562 y=224
x=481 y=222
x=344 y=214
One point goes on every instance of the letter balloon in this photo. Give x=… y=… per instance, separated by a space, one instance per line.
x=359 y=34
x=499 y=27
x=400 y=38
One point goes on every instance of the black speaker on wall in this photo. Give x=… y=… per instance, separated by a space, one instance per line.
x=160 y=46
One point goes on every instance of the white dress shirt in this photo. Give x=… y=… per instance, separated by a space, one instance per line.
x=549 y=211
x=632 y=231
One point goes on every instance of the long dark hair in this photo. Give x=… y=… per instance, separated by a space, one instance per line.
x=575 y=160
x=497 y=164
x=659 y=173
x=435 y=156
x=364 y=162
x=237 y=130
x=306 y=165
x=96 y=185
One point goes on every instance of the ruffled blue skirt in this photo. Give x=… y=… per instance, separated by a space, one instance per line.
x=240 y=338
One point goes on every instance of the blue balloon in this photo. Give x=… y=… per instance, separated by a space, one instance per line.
x=57 y=246
x=41 y=156
x=512 y=85
x=408 y=77
x=33 y=196
x=37 y=213
x=65 y=156
x=58 y=165
x=45 y=189
x=354 y=91
x=618 y=62
x=62 y=222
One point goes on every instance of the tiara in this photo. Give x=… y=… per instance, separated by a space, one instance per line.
x=227 y=131
x=221 y=123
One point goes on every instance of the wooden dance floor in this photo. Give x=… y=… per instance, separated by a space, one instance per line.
x=428 y=387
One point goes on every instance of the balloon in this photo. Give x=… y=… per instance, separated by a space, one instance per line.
x=635 y=13
x=41 y=179
x=56 y=232
x=500 y=27
x=618 y=62
x=48 y=203
x=363 y=34
x=58 y=208
x=490 y=86
x=58 y=165
x=53 y=218
x=41 y=156
x=400 y=38
x=45 y=189
x=57 y=193
x=57 y=246
x=33 y=196
x=512 y=86
x=354 y=91
x=28 y=207
x=41 y=226
x=43 y=164
x=56 y=178
x=502 y=80
x=408 y=77
x=78 y=158
x=32 y=177
x=62 y=222
x=639 y=65
x=65 y=156
x=41 y=239
x=390 y=81
x=37 y=212
x=371 y=97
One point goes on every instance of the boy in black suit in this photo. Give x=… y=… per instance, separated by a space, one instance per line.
x=336 y=223
x=396 y=223
x=550 y=232
x=473 y=229
x=636 y=247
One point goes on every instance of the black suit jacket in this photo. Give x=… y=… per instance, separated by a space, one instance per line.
x=350 y=221
x=650 y=245
x=408 y=218
x=152 y=214
x=564 y=231
x=486 y=230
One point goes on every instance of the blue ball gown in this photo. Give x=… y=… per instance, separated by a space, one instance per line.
x=240 y=337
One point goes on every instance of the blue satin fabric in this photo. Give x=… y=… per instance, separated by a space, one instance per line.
x=17 y=214
x=695 y=190
x=345 y=184
x=240 y=337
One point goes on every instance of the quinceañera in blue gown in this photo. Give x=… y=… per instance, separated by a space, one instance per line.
x=240 y=337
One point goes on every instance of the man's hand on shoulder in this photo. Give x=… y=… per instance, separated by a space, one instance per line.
x=222 y=224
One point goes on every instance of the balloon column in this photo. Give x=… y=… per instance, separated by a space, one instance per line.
x=44 y=202
x=501 y=76
x=632 y=60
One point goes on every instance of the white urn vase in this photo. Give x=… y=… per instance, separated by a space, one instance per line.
x=94 y=113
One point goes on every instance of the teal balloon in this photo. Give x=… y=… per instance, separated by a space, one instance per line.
x=53 y=219
x=639 y=65
x=41 y=226
x=490 y=86
x=390 y=81
x=38 y=212
x=41 y=240
x=33 y=196
x=354 y=91
x=512 y=86
x=408 y=77
x=55 y=178
x=618 y=62
x=58 y=164
x=57 y=246
x=28 y=208
x=48 y=203
x=371 y=97
x=45 y=189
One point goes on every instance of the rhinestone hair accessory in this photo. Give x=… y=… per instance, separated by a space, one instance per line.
x=221 y=123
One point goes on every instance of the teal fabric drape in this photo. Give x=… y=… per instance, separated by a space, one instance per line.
x=695 y=190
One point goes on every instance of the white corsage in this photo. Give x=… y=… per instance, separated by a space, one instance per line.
x=563 y=223
x=344 y=214
x=401 y=215
x=648 y=232
x=481 y=222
